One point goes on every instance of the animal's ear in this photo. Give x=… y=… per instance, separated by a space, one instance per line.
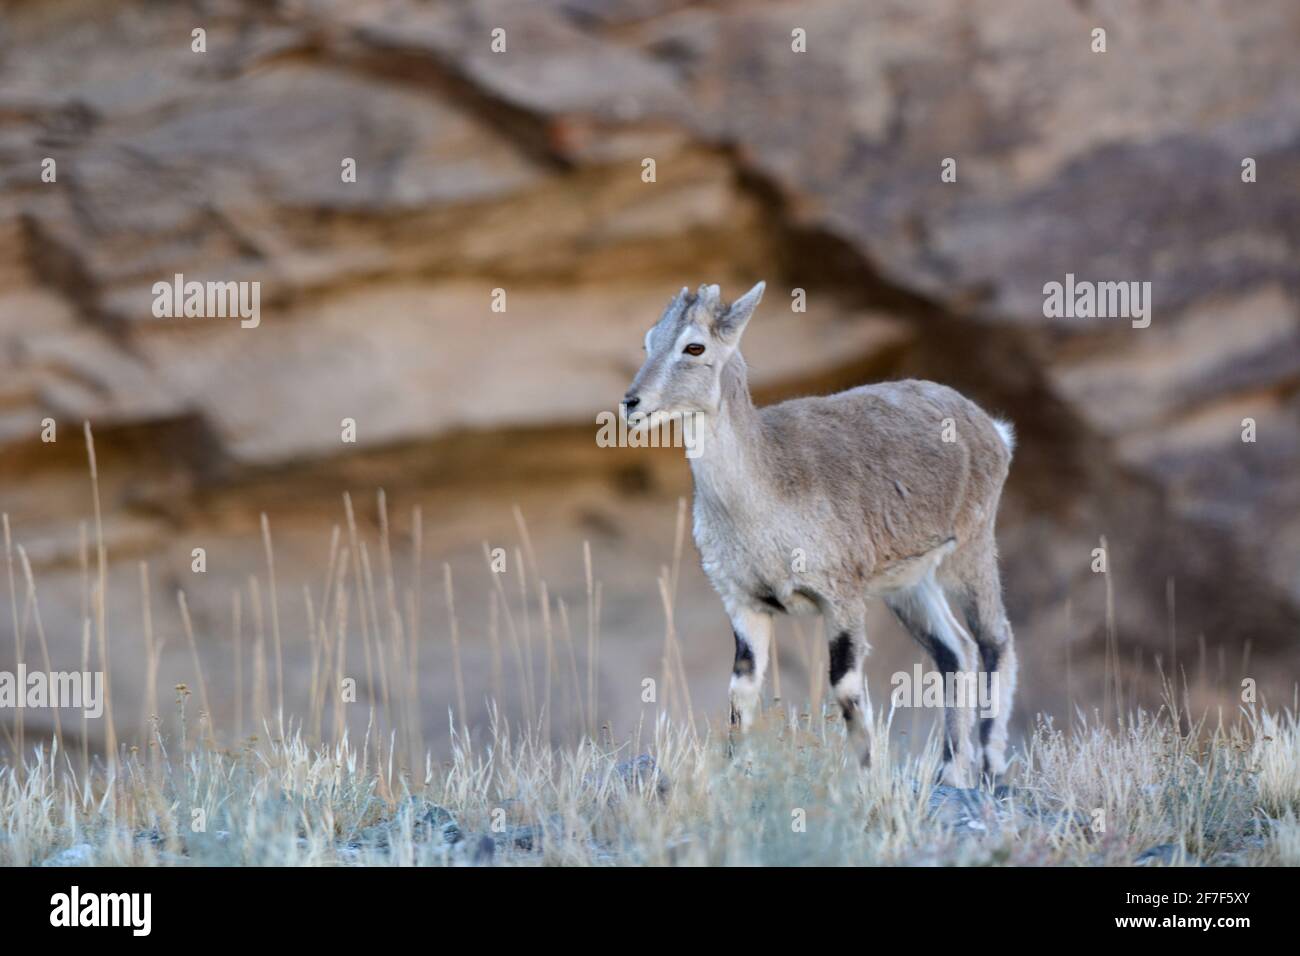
x=732 y=322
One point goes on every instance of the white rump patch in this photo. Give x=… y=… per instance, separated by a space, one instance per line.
x=1007 y=432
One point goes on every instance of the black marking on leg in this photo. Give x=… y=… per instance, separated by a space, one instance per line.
x=944 y=659
x=841 y=656
x=769 y=598
x=990 y=657
x=744 y=665
x=926 y=641
x=848 y=708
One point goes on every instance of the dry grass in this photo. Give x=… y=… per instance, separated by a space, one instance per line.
x=1090 y=796
x=307 y=790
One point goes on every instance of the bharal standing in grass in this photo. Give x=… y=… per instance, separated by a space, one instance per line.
x=819 y=504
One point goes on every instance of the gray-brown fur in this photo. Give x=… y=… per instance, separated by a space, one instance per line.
x=821 y=504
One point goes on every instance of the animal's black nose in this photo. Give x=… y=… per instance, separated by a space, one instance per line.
x=631 y=401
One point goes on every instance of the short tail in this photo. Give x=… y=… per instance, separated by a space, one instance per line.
x=1007 y=432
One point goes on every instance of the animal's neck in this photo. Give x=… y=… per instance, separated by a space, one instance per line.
x=728 y=467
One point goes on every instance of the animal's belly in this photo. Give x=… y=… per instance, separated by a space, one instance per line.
x=782 y=596
x=799 y=602
x=907 y=573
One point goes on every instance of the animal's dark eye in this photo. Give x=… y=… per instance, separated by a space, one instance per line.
x=695 y=348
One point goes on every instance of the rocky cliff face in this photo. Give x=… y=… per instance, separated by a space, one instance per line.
x=523 y=171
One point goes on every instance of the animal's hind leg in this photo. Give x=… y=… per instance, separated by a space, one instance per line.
x=923 y=610
x=847 y=633
x=978 y=592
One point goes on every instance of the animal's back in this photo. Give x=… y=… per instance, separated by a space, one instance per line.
x=916 y=460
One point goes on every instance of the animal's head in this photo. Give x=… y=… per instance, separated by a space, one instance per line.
x=685 y=352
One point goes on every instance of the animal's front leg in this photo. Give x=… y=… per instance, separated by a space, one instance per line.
x=753 y=633
x=846 y=630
